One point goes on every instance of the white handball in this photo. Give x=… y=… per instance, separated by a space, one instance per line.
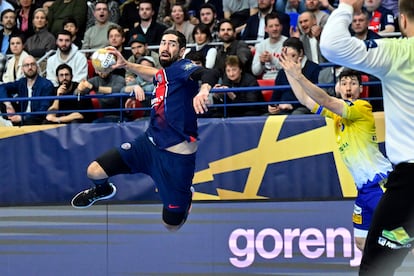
x=102 y=60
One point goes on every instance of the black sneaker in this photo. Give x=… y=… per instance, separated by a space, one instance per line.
x=88 y=197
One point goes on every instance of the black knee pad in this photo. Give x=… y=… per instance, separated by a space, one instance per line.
x=112 y=163
x=173 y=218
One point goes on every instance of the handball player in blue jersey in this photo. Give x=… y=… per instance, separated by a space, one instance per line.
x=167 y=150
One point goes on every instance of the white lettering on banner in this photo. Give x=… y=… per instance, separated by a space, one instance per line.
x=311 y=242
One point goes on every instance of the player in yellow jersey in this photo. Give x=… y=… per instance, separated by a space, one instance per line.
x=355 y=136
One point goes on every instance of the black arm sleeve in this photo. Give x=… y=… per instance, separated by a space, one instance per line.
x=210 y=76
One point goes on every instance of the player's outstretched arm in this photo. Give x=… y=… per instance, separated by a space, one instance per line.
x=121 y=62
x=307 y=92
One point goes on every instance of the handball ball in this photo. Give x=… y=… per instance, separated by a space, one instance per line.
x=102 y=60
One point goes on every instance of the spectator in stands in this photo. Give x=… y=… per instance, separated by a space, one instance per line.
x=310 y=36
x=31 y=85
x=61 y=9
x=148 y=27
x=231 y=46
x=165 y=8
x=360 y=26
x=255 y=26
x=238 y=12
x=236 y=77
x=104 y=84
x=113 y=9
x=14 y=64
x=381 y=19
x=139 y=48
x=294 y=51
x=42 y=40
x=141 y=85
x=179 y=17
x=289 y=6
x=25 y=17
x=208 y=16
x=70 y=25
x=313 y=6
x=129 y=16
x=4 y=5
x=66 y=87
x=8 y=21
x=97 y=36
x=266 y=57
x=391 y=5
x=116 y=38
x=197 y=58
x=67 y=53
x=197 y=5
x=202 y=37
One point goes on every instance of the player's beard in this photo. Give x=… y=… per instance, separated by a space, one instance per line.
x=166 y=63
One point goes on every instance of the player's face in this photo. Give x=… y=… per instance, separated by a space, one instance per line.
x=64 y=43
x=115 y=38
x=16 y=45
x=349 y=88
x=169 y=50
x=64 y=76
x=359 y=23
x=145 y=11
x=233 y=73
x=273 y=28
x=207 y=16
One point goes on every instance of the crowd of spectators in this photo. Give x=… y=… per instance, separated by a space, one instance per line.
x=240 y=39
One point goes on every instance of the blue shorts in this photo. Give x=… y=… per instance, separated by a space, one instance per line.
x=364 y=207
x=172 y=173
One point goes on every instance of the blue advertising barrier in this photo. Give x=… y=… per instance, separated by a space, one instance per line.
x=265 y=157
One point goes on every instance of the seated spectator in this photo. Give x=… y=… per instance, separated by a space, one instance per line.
x=141 y=85
x=97 y=36
x=129 y=16
x=266 y=57
x=196 y=6
x=113 y=8
x=148 y=26
x=116 y=39
x=197 y=58
x=139 y=48
x=181 y=23
x=238 y=12
x=231 y=46
x=67 y=53
x=104 y=84
x=14 y=64
x=381 y=19
x=61 y=9
x=294 y=50
x=202 y=37
x=165 y=7
x=236 y=77
x=42 y=40
x=360 y=26
x=314 y=6
x=290 y=6
x=208 y=16
x=70 y=25
x=67 y=87
x=31 y=85
x=8 y=21
x=25 y=17
x=255 y=25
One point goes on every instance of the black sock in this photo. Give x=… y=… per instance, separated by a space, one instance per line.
x=102 y=185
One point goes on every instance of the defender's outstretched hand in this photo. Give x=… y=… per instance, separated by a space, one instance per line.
x=291 y=67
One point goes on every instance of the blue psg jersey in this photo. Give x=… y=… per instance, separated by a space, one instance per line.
x=173 y=119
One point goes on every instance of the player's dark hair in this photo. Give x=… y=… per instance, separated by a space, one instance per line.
x=406 y=7
x=182 y=42
x=350 y=73
x=64 y=66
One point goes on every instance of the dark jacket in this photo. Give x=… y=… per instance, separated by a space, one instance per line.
x=238 y=48
x=252 y=26
x=153 y=35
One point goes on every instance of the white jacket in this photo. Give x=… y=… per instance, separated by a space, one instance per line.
x=8 y=75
